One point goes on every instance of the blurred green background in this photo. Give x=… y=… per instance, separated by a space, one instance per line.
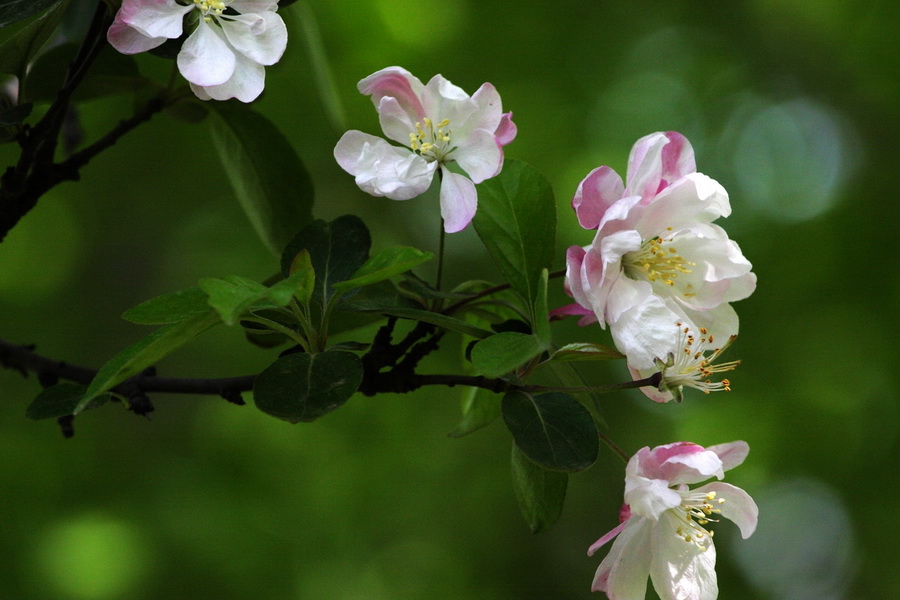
x=792 y=105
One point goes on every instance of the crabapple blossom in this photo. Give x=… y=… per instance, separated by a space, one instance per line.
x=657 y=258
x=664 y=530
x=437 y=124
x=224 y=55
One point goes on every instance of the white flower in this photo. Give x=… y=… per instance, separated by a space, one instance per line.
x=665 y=531
x=225 y=54
x=657 y=258
x=690 y=364
x=438 y=124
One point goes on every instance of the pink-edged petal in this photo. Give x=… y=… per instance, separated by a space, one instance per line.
x=398 y=83
x=260 y=37
x=381 y=169
x=506 y=131
x=573 y=284
x=738 y=506
x=606 y=538
x=681 y=570
x=691 y=200
x=205 y=59
x=645 y=167
x=480 y=156
x=570 y=310
x=490 y=108
x=731 y=454
x=595 y=194
x=128 y=40
x=623 y=573
x=692 y=467
x=246 y=82
x=154 y=18
x=677 y=158
x=459 y=200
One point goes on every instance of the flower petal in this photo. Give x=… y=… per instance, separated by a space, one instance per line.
x=731 y=454
x=398 y=83
x=459 y=200
x=490 y=108
x=623 y=573
x=246 y=82
x=479 y=155
x=649 y=497
x=382 y=169
x=129 y=40
x=154 y=18
x=506 y=131
x=681 y=570
x=606 y=538
x=597 y=192
x=738 y=507
x=260 y=37
x=205 y=59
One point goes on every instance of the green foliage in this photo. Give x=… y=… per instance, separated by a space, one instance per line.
x=384 y=265
x=516 y=221
x=480 y=408
x=169 y=308
x=146 y=352
x=540 y=493
x=541 y=322
x=60 y=400
x=337 y=250
x=110 y=73
x=13 y=11
x=21 y=47
x=584 y=351
x=503 y=352
x=232 y=295
x=553 y=430
x=268 y=178
x=303 y=387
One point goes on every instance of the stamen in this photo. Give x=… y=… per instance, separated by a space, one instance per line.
x=694 y=365
x=430 y=141
x=655 y=261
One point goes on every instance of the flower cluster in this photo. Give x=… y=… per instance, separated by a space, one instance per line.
x=223 y=57
x=665 y=526
x=438 y=124
x=659 y=272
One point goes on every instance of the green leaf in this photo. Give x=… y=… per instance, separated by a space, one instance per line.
x=17 y=51
x=146 y=352
x=232 y=295
x=169 y=308
x=540 y=322
x=60 y=400
x=503 y=352
x=569 y=376
x=384 y=265
x=540 y=492
x=427 y=316
x=553 y=430
x=110 y=73
x=480 y=408
x=268 y=178
x=303 y=387
x=337 y=250
x=13 y=11
x=299 y=284
x=516 y=221
x=580 y=351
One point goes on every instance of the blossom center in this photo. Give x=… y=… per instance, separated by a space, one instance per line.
x=657 y=260
x=431 y=140
x=697 y=510
x=210 y=8
x=691 y=366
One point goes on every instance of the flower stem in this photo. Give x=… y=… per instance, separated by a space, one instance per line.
x=613 y=446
